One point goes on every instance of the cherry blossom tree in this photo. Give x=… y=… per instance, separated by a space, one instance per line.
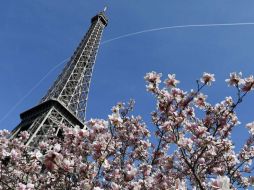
x=184 y=150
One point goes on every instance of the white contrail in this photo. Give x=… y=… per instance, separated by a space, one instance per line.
x=31 y=90
x=117 y=38
x=177 y=26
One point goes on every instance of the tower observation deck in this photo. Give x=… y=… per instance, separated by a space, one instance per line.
x=65 y=102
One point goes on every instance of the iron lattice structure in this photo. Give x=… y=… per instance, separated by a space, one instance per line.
x=66 y=101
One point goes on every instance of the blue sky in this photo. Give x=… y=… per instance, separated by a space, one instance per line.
x=36 y=35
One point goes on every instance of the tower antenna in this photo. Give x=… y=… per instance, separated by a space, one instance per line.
x=105 y=8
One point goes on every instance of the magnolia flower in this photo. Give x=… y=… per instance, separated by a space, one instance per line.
x=180 y=185
x=21 y=186
x=68 y=164
x=29 y=186
x=14 y=154
x=114 y=186
x=167 y=126
x=235 y=79
x=171 y=81
x=85 y=184
x=83 y=133
x=201 y=161
x=57 y=147
x=98 y=188
x=36 y=154
x=4 y=133
x=221 y=183
x=24 y=135
x=135 y=185
x=153 y=77
x=53 y=160
x=232 y=158
x=100 y=127
x=146 y=169
x=229 y=101
x=123 y=156
x=4 y=153
x=248 y=84
x=130 y=172
x=43 y=145
x=200 y=100
x=116 y=174
x=150 y=87
x=73 y=132
x=149 y=181
x=207 y=78
x=115 y=117
x=106 y=164
x=250 y=126
x=185 y=142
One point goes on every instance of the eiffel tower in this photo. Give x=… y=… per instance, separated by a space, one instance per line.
x=65 y=102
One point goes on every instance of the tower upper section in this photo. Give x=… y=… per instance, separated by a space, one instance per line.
x=101 y=16
x=72 y=85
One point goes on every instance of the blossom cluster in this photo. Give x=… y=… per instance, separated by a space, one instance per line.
x=184 y=150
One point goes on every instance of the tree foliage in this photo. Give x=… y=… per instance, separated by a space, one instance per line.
x=183 y=151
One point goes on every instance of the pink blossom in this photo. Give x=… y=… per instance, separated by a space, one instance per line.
x=68 y=164
x=43 y=145
x=229 y=101
x=153 y=77
x=180 y=185
x=83 y=133
x=57 y=147
x=115 y=118
x=153 y=80
x=21 y=186
x=146 y=169
x=106 y=164
x=200 y=100
x=250 y=126
x=114 y=186
x=52 y=160
x=248 y=84
x=221 y=183
x=85 y=184
x=171 y=81
x=24 y=135
x=180 y=150
x=201 y=161
x=185 y=142
x=207 y=78
x=30 y=186
x=4 y=133
x=235 y=79
x=130 y=172
x=98 y=188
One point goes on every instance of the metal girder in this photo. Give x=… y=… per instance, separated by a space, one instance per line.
x=66 y=101
x=72 y=86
